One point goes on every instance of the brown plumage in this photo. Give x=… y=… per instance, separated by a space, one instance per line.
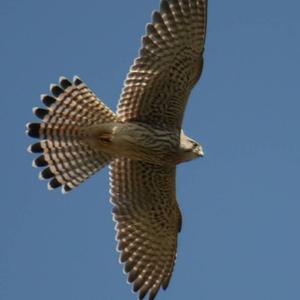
x=143 y=142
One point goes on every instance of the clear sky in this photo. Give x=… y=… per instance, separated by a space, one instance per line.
x=240 y=204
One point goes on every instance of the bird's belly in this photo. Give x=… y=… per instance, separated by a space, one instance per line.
x=142 y=142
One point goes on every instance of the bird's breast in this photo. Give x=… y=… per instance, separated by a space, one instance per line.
x=143 y=142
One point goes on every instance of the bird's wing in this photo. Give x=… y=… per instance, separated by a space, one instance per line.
x=170 y=63
x=148 y=221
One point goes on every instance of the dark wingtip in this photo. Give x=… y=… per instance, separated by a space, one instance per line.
x=40 y=162
x=153 y=294
x=164 y=6
x=143 y=294
x=48 y=100
x=150 y=29
x=128 y=267
x=64 y=82
x=132 y=276
x=137 y=285
x=156 y=17
x=40 y=112
x=56 y=90
x=166 y=283
x=33 y=129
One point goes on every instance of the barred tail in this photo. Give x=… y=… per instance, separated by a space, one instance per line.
x=67 y=157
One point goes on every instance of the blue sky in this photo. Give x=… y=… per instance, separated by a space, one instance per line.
x=240 y=204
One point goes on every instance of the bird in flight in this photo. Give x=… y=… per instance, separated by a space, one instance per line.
x=142 y=142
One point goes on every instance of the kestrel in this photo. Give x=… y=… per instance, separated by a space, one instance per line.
x=142 y=142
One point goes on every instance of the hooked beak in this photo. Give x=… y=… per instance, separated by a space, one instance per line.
x=200 y=152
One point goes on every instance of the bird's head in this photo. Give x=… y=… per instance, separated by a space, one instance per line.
x=189 y=149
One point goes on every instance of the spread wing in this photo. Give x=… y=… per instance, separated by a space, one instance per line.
x=148 y=221
x=170 y=63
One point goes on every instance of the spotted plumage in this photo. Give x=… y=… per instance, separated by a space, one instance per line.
x=142 y=142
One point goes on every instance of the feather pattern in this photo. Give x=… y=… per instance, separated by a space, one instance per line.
x=68 y=158
x=170 y=63
x=148 y=220
x=155 y=92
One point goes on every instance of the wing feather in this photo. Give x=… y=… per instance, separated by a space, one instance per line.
x=155 y=91
x=170 y=63
x=148 y=220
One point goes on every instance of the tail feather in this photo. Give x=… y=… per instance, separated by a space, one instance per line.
x=74 y=105
x=64 y=151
